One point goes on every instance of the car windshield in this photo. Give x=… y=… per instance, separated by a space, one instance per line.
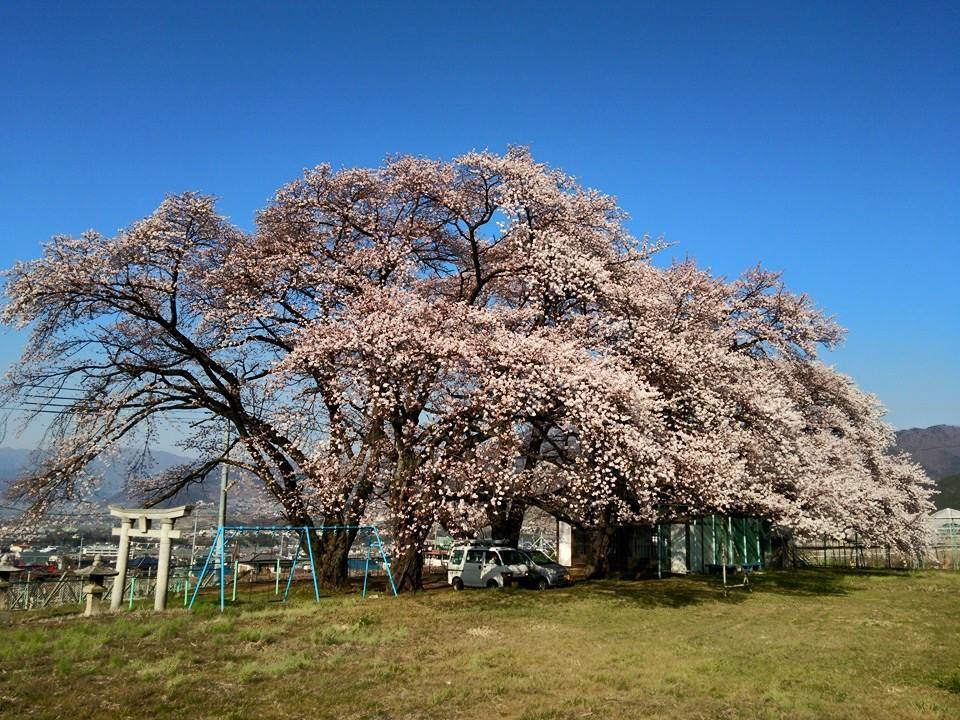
x=511 y=557
x=538 y=557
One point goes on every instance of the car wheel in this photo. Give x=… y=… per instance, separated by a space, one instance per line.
x=542 y=583
x=492 y=584
x=457 y=584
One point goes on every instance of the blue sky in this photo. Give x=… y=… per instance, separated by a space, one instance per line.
x=818 y=139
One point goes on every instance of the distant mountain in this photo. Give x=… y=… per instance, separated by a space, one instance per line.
x=937 y=449
x=14 y=461
x=246 y=497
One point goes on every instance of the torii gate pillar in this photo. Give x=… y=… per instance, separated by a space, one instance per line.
x=140 y=522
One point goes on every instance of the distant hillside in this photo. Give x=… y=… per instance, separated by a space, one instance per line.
x=937 y=449
x=949 y=496
x=14 y=461
x=246 y=498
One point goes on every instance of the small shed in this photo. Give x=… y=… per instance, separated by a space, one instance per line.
x=698 y=545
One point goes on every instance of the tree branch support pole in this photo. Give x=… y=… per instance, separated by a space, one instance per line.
x=656 y=539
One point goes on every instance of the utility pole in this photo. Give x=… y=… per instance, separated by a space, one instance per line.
x=224 y=477
x=193 y=546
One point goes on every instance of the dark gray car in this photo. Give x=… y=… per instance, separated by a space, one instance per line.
x=542 y=572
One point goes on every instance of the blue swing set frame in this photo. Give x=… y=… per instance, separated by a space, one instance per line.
x=303 y=531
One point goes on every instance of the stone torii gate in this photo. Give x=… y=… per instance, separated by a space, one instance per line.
x=141 y=522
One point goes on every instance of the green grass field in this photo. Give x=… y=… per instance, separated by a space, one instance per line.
x=812 y=644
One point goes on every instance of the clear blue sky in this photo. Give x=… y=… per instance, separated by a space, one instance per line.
x=819 y=139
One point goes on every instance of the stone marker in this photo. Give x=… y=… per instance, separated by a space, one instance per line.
x=7 y=568
x=94 y=589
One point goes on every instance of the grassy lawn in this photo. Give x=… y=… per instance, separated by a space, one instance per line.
x=818 y=644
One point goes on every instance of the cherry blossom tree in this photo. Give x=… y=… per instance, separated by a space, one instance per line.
x=400 y=292
x=131 y=327
x=456 y=342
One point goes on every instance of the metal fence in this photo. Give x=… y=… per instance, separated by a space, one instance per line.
x=26 y=593
x=29 y=593
x=855 y=555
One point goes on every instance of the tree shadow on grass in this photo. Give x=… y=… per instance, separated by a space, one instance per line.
x=683 y=591
x=670 y=592
x=822 y=580
x=673 y=592
x=803 y=582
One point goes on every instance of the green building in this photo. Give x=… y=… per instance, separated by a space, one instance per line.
x=696 y=545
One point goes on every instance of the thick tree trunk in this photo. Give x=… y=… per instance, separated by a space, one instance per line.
x=600 y=546
x=507 y=524
x=407 y=569
x=331 y=556
x=409 y=538
x=411 y=520
x=331 y=548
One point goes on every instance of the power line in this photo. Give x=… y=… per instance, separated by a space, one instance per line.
x=78 y=513
x=42 y=396
x=45 y=408
x=73 y=408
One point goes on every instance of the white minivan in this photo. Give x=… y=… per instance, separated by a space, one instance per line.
x=477 y=565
